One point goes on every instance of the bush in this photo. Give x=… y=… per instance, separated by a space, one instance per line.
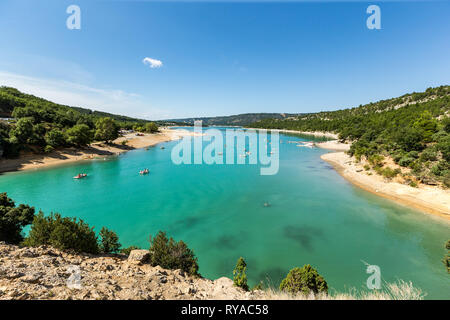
x=376 y=160
x=48 y=149
x=405 y=161
x=13 y=219
x=304 y=280
x=151 y=127
x=170 y=254
x=79 y=135
x=55 y=138
x=106 y=129
x=428 y=155
x=447 y=257
x=389 y=173
x=239 y=275
x=413 y=184
x=62 y=233
x=109 y=241
x=446 y=180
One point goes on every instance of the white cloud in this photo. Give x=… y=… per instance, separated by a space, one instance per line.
x=153 y=63
x=79 y=95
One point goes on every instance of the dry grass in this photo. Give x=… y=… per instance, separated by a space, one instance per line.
x=399 y=290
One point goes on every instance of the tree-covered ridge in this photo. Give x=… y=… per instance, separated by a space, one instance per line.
x=11 y=98
x=234 y=120
x=414 y=130
x=41 y=125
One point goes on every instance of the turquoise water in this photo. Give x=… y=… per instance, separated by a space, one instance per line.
x=315 y=216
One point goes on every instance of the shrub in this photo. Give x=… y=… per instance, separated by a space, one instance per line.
x=405 y=161
x=376 y=160
x=239 y=275
x=413 y=184
x=304 y=280
x=446 y=180
x=48 y=149
x=79 y=135
x=62 y=233
x=55 y=138
x=170 y=254
x=428 y=155
x=13 y=219
x=109 y=241
x=151 y=127
x=389 y=173
x=106 y=129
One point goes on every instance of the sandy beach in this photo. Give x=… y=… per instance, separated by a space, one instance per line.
x=428 y=199
x=94 y=151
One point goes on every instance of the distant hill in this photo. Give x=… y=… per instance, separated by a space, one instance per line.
x=11 y=98
x=413 y=130
x=235 y=120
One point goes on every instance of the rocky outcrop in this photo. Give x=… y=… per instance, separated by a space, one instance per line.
x=47 y=273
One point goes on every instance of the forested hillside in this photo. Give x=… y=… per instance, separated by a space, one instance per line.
x=41 y=125
x=413 y=129
x=235 y=120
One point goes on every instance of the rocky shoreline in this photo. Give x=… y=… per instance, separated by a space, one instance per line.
x=46 y=273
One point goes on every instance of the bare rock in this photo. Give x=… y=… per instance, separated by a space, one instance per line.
x=139 y=256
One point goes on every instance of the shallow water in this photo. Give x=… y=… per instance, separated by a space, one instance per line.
x=316 y=217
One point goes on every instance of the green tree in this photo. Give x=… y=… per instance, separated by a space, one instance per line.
x=79 y=135
x=22 y=131
x=106 y=129
x=63 y=233
x=304 y=280
x=55 y=138
x=239 y=275
x=170 y=254
x=151 y=127
x=109 y=241
x=13 y=219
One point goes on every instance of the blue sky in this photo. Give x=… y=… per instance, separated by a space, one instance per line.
x=222 y=58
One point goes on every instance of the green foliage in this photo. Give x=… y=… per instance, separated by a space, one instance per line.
x=13 y=219
x=170 y=254
x=447 y=256
x=239 y=275
x=106 y=129
x=55 y=138
x=40 y=123
x=446 y=180
x=63 y=233
x=79 y=135
x=389 y=173
x=109 y=241
x=22 y=131
x=414 y=129
x=151 y=127
x=304 y=280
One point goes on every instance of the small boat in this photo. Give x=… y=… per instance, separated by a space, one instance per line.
x=80 y=176
x=219 y=153
x=266 y=204
x=145 y=171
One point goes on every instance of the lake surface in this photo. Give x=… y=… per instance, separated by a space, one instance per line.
x=315 y=216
